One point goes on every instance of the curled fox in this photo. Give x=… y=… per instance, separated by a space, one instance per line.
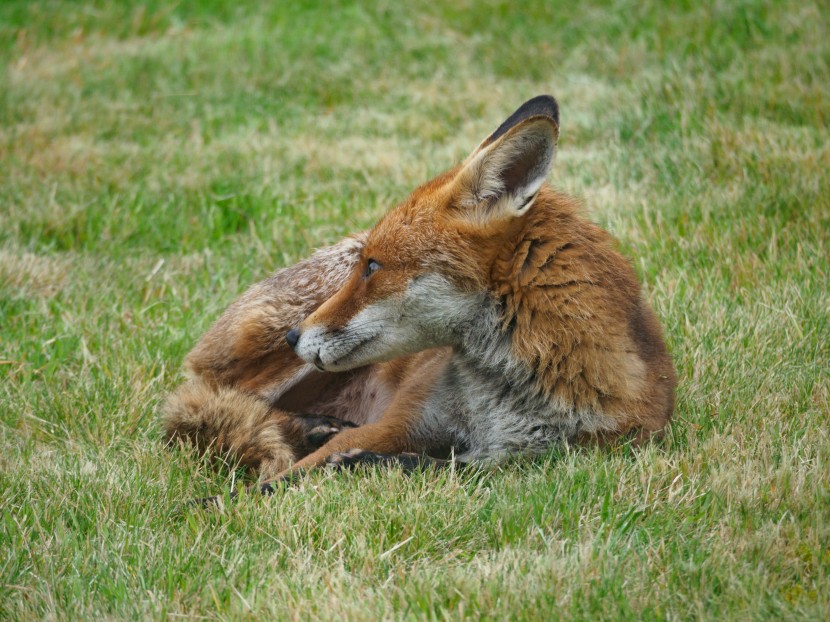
x=482 y=315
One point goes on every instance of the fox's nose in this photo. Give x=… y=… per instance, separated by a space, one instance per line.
x=292 y=337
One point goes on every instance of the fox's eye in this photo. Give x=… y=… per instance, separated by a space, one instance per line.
x=371 y=267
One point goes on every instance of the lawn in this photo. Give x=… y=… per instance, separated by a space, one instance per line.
x=156 y=160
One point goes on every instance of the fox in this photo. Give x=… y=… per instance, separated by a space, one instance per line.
x=482 y=317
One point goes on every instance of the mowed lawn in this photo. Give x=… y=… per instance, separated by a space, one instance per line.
x=155 y=160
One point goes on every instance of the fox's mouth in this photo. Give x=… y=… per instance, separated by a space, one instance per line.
x=345 y=358
x=331 y=350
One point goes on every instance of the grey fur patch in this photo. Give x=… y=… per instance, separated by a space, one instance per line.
x=491 y=402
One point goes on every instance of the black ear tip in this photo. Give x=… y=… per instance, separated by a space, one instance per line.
x=539 y=106
x=542 y=105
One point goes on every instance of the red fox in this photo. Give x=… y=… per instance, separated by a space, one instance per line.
x=482 y=315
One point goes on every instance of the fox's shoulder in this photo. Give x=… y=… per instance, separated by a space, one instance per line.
x=575 y=306
x=558 y=248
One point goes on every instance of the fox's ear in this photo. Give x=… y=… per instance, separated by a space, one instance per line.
x=503 y=175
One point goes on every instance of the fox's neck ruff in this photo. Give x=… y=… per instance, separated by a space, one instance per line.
x=535 y=280
x=484 y=344
x=492 y=384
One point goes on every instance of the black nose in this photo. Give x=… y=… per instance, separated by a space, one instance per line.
x=292 y=337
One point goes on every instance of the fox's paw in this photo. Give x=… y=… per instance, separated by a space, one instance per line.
x=318 y=429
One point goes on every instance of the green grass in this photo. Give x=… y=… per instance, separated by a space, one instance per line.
x=157 y=160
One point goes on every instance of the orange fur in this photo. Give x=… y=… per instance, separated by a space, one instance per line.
x=482 y=313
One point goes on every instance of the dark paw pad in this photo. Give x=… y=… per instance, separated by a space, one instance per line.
x=318 y=430
x=319 y=435
x=347 y=459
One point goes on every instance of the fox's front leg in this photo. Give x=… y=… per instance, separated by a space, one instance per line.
x=400 y=429
x=383 y=437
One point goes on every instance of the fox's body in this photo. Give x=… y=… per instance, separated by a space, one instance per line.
x=482 y=314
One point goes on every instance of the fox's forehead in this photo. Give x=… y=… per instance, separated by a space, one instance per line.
x=413 y=226
x=402 y=236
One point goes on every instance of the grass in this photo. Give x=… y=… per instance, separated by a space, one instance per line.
x=155 y=160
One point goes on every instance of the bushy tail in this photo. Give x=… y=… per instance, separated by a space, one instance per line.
x=230 y=423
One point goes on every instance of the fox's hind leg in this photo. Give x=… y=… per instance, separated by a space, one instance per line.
x=242 y=366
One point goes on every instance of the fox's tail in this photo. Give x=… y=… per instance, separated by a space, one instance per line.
x=230 y=423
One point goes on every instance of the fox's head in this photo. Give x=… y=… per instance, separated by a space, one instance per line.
x=426 y=266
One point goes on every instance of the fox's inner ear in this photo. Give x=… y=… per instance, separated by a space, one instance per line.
x=503 y=175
